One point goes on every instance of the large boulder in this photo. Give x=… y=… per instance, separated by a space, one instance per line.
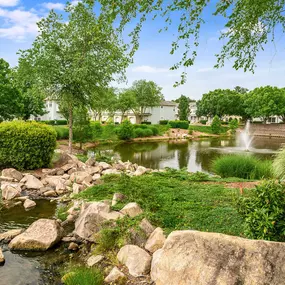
x=155 y=241
x=40 y=235
x=10 y=190
x=12 y=173
x=136 y=259
x=92 y=217
x=132 y=210
x=200 y=258
x=31 y=182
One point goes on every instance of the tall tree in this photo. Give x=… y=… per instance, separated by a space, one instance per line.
x=183 y=108
x=148 y=94
x=10 y=99
x=70 y=59
x=249 y=25
x=126 y=101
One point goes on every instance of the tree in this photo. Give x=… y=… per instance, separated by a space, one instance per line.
x=216 y=125
x=183 y=108
x=241 y=90
x=148 y=94
x=126 y=101
x=10 y=99
x=70 y=59
x=126 y=130
x=249 y=25
x=233 y=125
x=264 y=102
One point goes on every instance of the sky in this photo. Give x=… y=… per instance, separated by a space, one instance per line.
x=18 y=29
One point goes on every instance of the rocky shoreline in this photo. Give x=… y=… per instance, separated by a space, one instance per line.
x=148 y=256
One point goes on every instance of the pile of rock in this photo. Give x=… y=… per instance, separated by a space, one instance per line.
x=72 y=177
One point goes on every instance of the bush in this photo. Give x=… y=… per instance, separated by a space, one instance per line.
x=242 y=166
x=26 y=145
x=126 y=130
x=216 y=125
x=203 y=122
x=97 y=130
x=279 y=164
x=263 y=211
x=55 y=122
x=83 y=276
x=139 y=133
x=109 y=131
x=141 y=126
x=163 y=122
x=155 y=130
x=179 y=124
x=146 y=123
x=233 y=125
x=147 y=133
x=62 y=133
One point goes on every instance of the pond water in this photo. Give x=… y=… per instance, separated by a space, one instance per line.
x=195 y=155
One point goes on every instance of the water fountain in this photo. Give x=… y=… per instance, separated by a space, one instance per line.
x=245 y=136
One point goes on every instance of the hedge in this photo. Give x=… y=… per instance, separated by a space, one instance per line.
x=55 y=122
x=26 y=145
x=163 y=122
x=179 y=124
x=146 y=123
x=203 y=122
x=62 y=133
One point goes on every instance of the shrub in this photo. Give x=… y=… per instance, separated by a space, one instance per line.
x=141 y=133
x=203 y=122
x=179 y=124
x=242 y=166
x=146 y=123
x=26 y=145
x=109 y=131
x=83 y=276
x=97 y=130
x=155 y=130
x=147 y=133
x=216 y=125
x=126 y=130
x=233 y=125
x=140 y=126
x=163 y=122
x=279 y=164
x=263 y=211
x=62 y=133
x=190 y=132
x=55 y=122
x=138 y=133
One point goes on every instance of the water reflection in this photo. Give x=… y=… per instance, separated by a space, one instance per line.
x=196 y=155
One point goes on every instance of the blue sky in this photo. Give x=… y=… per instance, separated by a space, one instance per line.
x=18 y=29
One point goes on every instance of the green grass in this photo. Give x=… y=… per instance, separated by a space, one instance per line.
x=279 y=164
x=175 y=201
x=61 y=212
x=242 y=166
x=83 y=276
x=206 y=129
x=62 y=132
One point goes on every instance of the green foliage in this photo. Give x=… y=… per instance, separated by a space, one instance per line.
x=146 y=123
x=216 y=125
x=109 y=132
x=242 y=166
x=233 y=125
x=126 y=130
x=126 y=101
x=97 y=130
x=55 y=122
x=279 y=164
x=206 y=129
x=179 y=124
x=84 y=276
x=263 y=211
x=183 y=108
x=203 y=122
x=155 y=130
x=173 y=200
x=26 y=145
x=139 y=132
x=61 y=212
x=163 y=122
x=62 y=133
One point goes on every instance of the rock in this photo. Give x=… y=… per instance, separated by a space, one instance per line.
x=2 y=258
x=72 y=170
x=56 y=182
x=140 y=171
x=94 y=169
x=45 y=189
x=192 y=257
x=80 y=177
x=68 y=166
x=28 y=204
x=94 y=259
x=111 y=171
x=155 y=241
x=90 y=161
x=73 y=246
x=40 y=235
x=50 y=193
x=31 y=182
x=104 y=165
x=96 y=176
x=77 y=188
x=68 y=239
x=136 y=259
x=92 y=217
x=132 y=210
x=22 y=198
x=7 y=236
x=119 y=166
x=117 y=197
x=12 y=173
x=10 y=190
x=146 y=227
x=48 y=171
x=65 y=176
x=60 y=171
x=114 y=275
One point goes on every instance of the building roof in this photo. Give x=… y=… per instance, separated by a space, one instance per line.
x=168 y=103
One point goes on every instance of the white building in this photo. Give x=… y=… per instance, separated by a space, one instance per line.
x=52 y=112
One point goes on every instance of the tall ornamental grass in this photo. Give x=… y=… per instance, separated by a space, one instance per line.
x=279 y=164
x=242 y=166
x=83 y=276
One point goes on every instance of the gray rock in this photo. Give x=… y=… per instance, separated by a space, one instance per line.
x=155 y=241
x=140 y=171
x=9 y=235
x=94 y=259
x=80 y=177
x=31 y=182
x=104 y=165
x=73 y=246
x=146 y=227
x=90 y=161
x=10 y=190
x=114 y=275
x=132 y=210
x=12 y=173
x=28 y=204
x=2 y=258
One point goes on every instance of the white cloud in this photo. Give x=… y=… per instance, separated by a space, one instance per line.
x=55 y=6
x=18 y=24
x=9 y=3
x=205 y=69
x=149 y=69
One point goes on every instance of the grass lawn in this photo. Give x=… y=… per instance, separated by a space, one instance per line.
x=175 y=200
x=206 y=129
